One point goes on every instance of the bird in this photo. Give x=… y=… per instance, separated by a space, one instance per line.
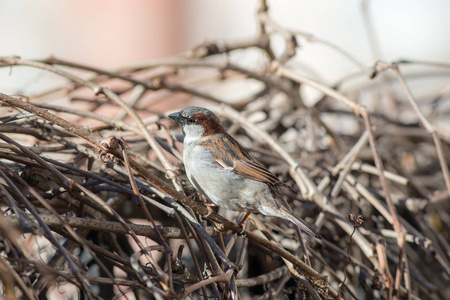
x=223 y=171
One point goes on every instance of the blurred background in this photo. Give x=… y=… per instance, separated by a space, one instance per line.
x=108 y=33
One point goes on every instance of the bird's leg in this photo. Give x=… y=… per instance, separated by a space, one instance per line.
x=241 y=223
x=244 y=218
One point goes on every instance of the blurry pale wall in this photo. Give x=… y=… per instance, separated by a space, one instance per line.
x=93 y=32
x=104 y=33
x=97 y=33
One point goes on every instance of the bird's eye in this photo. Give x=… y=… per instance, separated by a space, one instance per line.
x=191 y=121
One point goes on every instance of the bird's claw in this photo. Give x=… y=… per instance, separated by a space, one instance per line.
x=241 y=234
x=210 y=211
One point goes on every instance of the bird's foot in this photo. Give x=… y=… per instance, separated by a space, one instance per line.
x=210 y=211
x=242 y=233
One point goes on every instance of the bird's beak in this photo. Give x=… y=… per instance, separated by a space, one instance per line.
x=175 y=116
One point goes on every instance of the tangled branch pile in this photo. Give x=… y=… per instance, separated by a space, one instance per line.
x=95 y=201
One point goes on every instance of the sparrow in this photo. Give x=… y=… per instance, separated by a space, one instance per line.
x=222 y=170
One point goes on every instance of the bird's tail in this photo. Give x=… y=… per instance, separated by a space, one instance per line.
x=301 y=224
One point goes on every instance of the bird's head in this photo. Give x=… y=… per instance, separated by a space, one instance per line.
x=198 y=122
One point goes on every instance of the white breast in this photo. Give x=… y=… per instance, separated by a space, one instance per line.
x=222 y=186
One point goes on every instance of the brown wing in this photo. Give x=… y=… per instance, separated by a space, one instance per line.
x=230 y=155
x=254 y=170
